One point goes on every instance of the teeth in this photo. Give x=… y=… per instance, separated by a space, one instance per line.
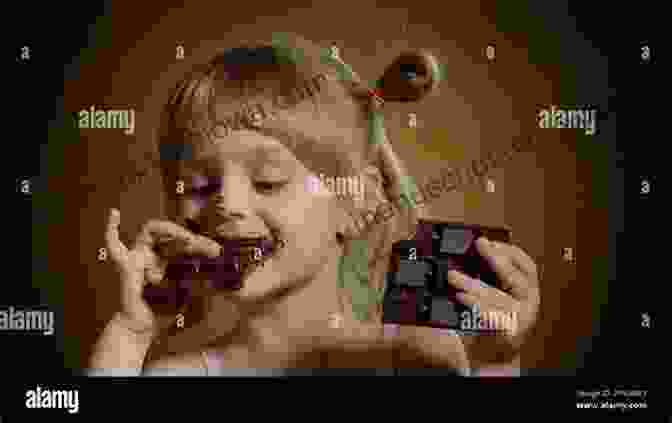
x=238 y=258
x=244 y=256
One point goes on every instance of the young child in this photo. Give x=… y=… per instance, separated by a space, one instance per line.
x=261 y=120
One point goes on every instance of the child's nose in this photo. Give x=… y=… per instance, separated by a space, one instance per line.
x=232 y=196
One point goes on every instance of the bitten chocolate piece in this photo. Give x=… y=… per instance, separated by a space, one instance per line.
x=268 y=247
x=166 y=299
x=226 y=272
x=182 y=268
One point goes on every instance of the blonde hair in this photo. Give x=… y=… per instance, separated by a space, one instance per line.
x=264 y=71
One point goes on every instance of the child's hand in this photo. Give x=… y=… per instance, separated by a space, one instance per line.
x=146 y=263
x=365 y=346
x=434 y=348
x=519 y=299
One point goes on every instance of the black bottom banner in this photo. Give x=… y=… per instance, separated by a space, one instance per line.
x=191 y=397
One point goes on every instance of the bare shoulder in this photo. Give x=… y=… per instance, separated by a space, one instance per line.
x=190 y=364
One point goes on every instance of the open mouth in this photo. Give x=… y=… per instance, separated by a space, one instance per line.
x=239 y=257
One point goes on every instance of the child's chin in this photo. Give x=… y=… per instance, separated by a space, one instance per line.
x=253 y=277
x=270 y=282
x=255 y=280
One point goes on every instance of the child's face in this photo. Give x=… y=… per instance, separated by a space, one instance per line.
x=250 y=185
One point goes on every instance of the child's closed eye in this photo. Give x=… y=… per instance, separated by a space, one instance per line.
x=269 y=186
x=264 y=186
x=204 y=190
x=271 y=179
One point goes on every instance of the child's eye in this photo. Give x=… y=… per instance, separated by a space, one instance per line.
x=204 y=190
x=269 y=186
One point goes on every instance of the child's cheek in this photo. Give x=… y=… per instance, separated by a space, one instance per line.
x=196 y=199
x=196 y=203
x=191 y=206
x=199 y=181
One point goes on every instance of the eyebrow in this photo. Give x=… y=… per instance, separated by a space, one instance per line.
x=309 y=151
x=289 y=137
x=275 y=154
x=272 y=154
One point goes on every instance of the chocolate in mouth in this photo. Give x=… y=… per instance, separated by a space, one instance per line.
x=233 y=244
x=227 y=272
x=238 y=258
x=240 y=247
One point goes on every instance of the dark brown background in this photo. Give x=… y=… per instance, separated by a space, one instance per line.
x=480 y=107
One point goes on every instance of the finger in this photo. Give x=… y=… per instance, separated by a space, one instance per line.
x=520 y=259
x=479 y=293
x=118 y=251
x=480 y=302
x=133 y=290
x=477 y=287
x=446 y=350
x=156 y=269
x=500 y=317
x=499 y=258
x=175 y=240
x=470 y=300
x=466 y=283
x=524 y=262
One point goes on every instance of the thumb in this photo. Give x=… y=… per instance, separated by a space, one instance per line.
x=116 y=248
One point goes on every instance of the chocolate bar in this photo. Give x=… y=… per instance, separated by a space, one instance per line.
x=226 y=272
x=417 y=291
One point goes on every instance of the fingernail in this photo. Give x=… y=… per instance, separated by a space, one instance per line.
x=453 y=273
x=472 y=283
x=390 y=330
x=476 y=283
